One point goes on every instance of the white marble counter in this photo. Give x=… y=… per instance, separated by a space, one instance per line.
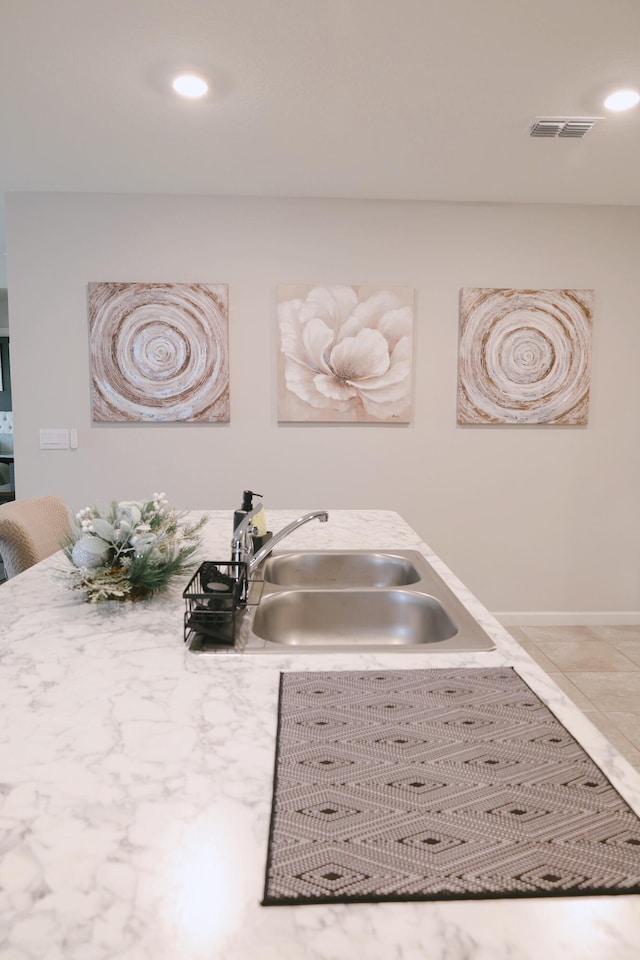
x=135 y=790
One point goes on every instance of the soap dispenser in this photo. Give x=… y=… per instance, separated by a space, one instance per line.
x=261 y=535
x=247 y=507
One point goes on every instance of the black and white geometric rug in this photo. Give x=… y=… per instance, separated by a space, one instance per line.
x=437 y=784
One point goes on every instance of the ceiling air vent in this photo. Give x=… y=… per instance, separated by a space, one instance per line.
x=572 y=127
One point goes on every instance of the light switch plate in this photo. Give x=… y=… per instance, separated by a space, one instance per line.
x=54 y=439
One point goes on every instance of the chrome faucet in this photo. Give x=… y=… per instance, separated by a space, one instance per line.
x=256 y=559
x=242 y=542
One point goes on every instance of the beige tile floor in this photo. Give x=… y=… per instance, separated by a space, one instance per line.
x=599 y=668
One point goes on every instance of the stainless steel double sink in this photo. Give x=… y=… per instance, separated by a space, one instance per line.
x=354 y=600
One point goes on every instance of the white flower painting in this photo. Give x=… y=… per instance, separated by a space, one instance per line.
x=345 y=353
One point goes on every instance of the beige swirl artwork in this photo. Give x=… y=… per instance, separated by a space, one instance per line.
x=525 y=356
x=159 y=352
x=345 y=353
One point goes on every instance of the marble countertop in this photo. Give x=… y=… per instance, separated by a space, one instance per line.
x=135 y=789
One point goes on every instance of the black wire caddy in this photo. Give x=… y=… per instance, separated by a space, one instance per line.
x=212 y=598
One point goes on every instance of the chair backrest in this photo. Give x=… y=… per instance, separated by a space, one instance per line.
x=30 y=530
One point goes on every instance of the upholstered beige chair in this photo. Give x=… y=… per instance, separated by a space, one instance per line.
x=30 y=530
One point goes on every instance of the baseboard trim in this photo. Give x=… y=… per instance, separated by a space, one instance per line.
x=569 y=618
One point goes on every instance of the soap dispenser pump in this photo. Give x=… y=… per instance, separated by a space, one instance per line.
x=247 y=507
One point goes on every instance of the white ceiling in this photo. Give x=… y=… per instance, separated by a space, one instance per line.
x=327 y=98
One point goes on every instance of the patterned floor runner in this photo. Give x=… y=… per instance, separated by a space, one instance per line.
x=437 y=784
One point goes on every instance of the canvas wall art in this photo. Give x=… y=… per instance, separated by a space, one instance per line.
x=345 y=353
x=159 y=352
x=524 y=356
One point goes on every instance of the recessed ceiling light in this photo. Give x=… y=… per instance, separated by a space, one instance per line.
x=622 y=100
x=190 y=85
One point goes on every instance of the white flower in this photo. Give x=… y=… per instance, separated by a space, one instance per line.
x=343 y=354
x=143 y=543
x=128 y=515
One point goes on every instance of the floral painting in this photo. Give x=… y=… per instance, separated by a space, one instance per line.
x=345 y=353
x=525 y=356
x=159 y=352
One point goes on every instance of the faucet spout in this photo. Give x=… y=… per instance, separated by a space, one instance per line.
x=243 y=527
x=242 y=541
x=264 y=551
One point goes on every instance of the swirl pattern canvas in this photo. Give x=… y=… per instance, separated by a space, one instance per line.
x=159 y=352
x=525 y=356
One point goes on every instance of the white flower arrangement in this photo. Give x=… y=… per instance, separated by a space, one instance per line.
x=132 y=551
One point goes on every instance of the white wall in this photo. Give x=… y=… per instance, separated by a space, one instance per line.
x=3 y=249
x=533 y=519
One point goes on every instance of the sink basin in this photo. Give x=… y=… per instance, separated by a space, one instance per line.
x=330 y=617
x=346 y=601
x=340 y=569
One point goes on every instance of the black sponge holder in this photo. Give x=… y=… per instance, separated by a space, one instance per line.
x=212 y=598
